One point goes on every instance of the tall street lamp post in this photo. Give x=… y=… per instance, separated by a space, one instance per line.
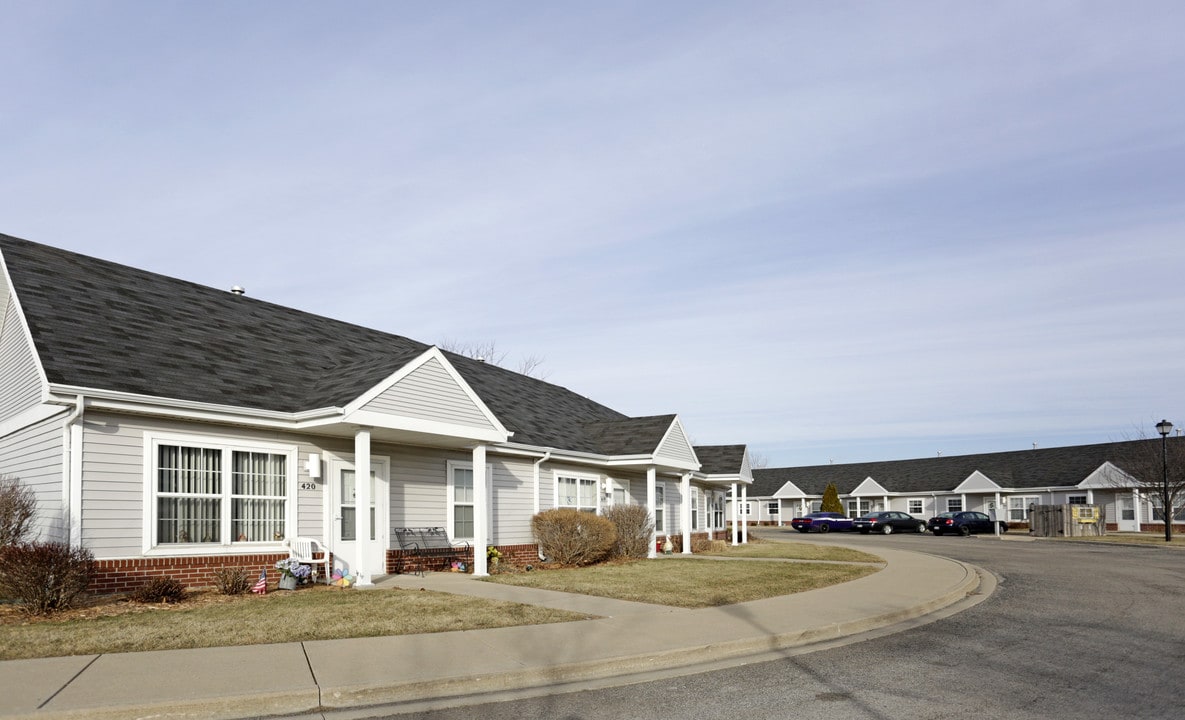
x=1164 y=427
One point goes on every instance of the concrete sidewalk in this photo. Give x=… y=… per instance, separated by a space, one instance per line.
x=628 y=637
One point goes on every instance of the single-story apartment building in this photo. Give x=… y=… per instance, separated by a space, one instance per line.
x=173 y=428
x=1002 y=484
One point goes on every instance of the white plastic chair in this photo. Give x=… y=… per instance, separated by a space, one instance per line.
x=305 y=550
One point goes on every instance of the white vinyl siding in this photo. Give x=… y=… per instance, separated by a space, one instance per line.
x=20 y=380
x=34 y=455
x=430 y=393
x=675 y=446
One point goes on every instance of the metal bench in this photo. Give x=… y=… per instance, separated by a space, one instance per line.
x=429 y=544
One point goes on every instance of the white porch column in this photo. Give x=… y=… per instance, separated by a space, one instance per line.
x=885 y=500
x=481 y=512
x=685 y=488
x=996 y=516
x=1137 y=501
x=362 y=499
x=651 y=480
x=736 y=514
x=1090 y=497
x=963 y=500
x=745 y=525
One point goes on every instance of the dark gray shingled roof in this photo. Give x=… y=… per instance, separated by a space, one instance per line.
x=1043 y=467
x=720 y=459
x=101 y=325
x=630 y=436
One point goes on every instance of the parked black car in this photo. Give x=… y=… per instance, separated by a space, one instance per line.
x=964 y=523
x=888 y=521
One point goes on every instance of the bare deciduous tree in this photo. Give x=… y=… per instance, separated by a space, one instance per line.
x=1155 y=467
x=488 y=352
x=18 y=508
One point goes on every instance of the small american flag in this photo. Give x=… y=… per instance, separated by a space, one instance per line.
x=261 y=584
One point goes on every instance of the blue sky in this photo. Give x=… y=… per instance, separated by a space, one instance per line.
x=833 y=231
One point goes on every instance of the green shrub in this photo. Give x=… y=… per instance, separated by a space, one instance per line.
x=44 y=577
x=634 y=528
x=160 y=589
x=831 y=501
x=18 y=508
x=571 y=537
x=232 y=580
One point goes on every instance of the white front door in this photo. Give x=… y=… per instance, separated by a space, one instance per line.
x=1126 y=510
x=343 y=511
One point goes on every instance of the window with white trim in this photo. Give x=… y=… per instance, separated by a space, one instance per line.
x=774 y=507
x=954 y=504
x=621 y=492
x=718 y=512
x=349 y=504
x=917 y=506
x=694 y=508
x=660 y=508
x=858 y=508
x=459 y=494
x=211 y=493
x=577 y=493
x=1076 y=499
x=1018 y=508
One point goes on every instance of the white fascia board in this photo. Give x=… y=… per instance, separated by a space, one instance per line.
x=868 y=487
x=429 y=354
x=430 y=427
x=190 y=409
x=977 y=482
x=723 y=478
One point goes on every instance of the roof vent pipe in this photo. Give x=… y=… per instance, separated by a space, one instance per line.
x=238 y=290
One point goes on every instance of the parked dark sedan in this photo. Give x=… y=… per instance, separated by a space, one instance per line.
x=888 y=521
x=964 y=523
x=821 y=522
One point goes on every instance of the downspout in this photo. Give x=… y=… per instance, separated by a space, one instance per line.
x=72 y=473
x=538 y=463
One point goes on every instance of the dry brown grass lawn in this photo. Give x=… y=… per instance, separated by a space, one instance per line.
x=690 y=583
x=209 y=620
x=790 y=551
x=1131 y=539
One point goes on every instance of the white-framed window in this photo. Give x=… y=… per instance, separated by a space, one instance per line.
x=858 y=508
x=460 y=505
x=773 y=508
x=1076 y=499
x=210 y=491
x=748 y=510
x=660 y=508
x=954 y=504
x=1018 y=507
x=816 y=506
x=576 y=492
x=917 y=506
x=718 y=512
x=349 y=505
x=694 y=508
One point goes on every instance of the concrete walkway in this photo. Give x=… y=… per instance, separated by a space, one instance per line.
x=628 y=638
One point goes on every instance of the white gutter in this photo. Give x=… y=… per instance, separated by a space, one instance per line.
x=538 y=463
x=72 y=472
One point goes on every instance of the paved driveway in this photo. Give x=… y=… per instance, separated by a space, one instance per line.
x=1072 y=631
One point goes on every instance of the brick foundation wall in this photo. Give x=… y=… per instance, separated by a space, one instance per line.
x=398 y=561
x=120 y=576
x=1155 y=528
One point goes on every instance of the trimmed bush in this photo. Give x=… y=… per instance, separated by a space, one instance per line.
x=160 y=589
x=232 y=580
x=634 y=526
x=571 y=537
x=831 y=501
x=44 y=577
x=18 y=507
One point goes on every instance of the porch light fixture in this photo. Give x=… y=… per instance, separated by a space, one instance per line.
x=1164 y=427
x=314 y=466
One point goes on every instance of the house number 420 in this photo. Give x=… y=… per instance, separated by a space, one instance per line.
x=308 y=486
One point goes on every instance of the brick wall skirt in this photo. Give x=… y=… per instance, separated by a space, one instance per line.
x=1154 y=528
x=398 y=561
x=120 y=576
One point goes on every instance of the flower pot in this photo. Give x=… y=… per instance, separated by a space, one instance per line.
x=287 y=582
